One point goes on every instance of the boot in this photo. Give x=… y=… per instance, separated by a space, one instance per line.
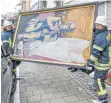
x=70 y=68
x=97 y=101
x=74 y=69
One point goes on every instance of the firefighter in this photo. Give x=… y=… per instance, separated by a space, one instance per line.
x=7 y=37
x=100 y=58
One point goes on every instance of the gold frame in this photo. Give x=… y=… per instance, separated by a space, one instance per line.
x=44 y=11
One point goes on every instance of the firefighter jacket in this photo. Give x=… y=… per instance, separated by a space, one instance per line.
x=101 y=49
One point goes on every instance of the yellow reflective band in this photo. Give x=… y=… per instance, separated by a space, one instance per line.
x=93 y=58
x=102 y=91
x=100 y=86
x=10 y=42
x=98 y=48
x=14 y=70
x=108 y=37
x=5 y=41
x=102 y=65
x=102 y=68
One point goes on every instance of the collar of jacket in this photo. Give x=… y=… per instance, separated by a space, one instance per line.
x=8 y=31
x=98 y=31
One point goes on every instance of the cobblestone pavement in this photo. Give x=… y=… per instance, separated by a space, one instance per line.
x=43 y=83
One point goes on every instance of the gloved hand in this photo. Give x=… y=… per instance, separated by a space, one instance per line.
x=90 y=63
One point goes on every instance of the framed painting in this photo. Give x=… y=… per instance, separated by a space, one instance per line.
x=59 y=35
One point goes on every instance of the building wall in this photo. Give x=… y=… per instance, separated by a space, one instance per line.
x=108 y=14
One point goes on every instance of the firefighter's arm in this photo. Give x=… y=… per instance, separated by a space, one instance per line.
x=99 y=44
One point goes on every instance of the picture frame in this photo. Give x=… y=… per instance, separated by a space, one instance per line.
x=82 y=30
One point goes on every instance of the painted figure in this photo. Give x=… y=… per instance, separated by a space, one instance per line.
x=49 y=29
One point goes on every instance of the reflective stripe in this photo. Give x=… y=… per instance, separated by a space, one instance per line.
x=102 y=91
x=5 y=41
x=98 y=48
x=10 y=43
x=108 y=37
x=93 y=58
x=102 y=65
x=102 y=68
x=14 y=70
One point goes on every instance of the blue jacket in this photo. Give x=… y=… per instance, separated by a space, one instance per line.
x=7 y=37
x=101 y=49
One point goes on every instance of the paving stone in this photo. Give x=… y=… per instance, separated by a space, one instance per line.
x=21 y=81
x=24 y=79
x=73 y=86
x=64 y=82
x=51 y=90
x=55 y=84
x=26 y=94
x=90 y=100
x=31 y=88
x=46 y=81
x=22 y=100
x=71 y=99
x=84 y=96
x=73 y=91
x=30 y=80
x=40 y=78
x=55 y=79
x=24 y=85
x=60 y=79
x=84 y=101
x=44 y=101
x=39 y=91
x=50 y=77
x=60 y=94
x=63 y=88
x=58 y=100
x=34 y=98
x=36 y=83
x=22 y=90
x=47 y=96
x=73 y=82
x=43 y=86
x=80 y=89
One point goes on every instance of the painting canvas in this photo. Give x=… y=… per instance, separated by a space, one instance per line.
x=61 y=36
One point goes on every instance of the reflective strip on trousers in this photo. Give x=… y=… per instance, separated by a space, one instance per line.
x=102 y=91
x=102 y=68
x=101 y=65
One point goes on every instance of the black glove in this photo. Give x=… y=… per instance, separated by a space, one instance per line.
x=90 y=63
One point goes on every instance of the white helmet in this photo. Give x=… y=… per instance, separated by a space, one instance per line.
x=7 y=23
x=101 y=20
